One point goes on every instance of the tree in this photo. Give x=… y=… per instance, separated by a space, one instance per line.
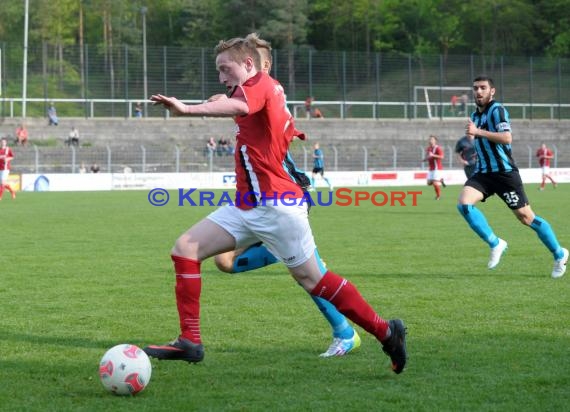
x=286 y=27
x=554 y=27
x=495 y=28
x=12 y=22
x=54 y=24
x=201 y=23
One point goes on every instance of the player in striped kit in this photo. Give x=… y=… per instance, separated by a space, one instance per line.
x=497 y=173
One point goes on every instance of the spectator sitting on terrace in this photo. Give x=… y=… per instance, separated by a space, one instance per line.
x=73 y=137
x=210 y=147
x=22 y=135
x=222 y=146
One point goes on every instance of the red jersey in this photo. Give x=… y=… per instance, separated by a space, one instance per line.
x=434 y=163
x=262 y=141
x=542 y=159
x=5 y=164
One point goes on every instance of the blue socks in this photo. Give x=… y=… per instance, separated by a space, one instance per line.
x=254 y=257
x=257 y=256
x=479 y=224
x=313 y=181
x=547 y=236
x=340 y=326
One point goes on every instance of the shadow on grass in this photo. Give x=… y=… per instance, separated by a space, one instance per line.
x=19 y=338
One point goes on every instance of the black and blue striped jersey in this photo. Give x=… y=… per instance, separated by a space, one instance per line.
x=491 y=156
x=297 y=175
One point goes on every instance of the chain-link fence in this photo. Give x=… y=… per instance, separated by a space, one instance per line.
x=423 y=85
x=347 y=156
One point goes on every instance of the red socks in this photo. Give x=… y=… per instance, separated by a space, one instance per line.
x=437 y=189
x=9 y=189
x=188 y=289
x=344 y=295
x=339 y=291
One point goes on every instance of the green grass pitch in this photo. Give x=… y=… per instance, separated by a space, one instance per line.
x=81 y=272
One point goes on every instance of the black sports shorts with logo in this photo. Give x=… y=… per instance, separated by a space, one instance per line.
x=507 y=185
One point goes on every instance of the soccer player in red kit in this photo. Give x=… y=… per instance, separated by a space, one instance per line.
x=6 y=156
x=434 y=155
x=268 y=208
x=544 y=155
x=345 y=337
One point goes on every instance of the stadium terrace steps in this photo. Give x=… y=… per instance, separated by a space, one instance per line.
x=103 y=131
x=126 y=139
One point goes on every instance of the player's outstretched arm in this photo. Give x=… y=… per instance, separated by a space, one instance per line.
x=217 y=97
x=218 y=108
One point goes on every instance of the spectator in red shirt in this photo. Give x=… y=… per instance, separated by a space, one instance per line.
x=22 y=135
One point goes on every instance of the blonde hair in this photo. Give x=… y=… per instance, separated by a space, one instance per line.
x=240 y=49
x=264 y=50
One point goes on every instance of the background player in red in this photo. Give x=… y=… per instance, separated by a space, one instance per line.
x=6 y=156
x=257 y=104
x=544 y=155
x=434 y=155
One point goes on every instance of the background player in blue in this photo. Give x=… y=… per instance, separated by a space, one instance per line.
x=496 y=173
x=319 y=166
x=345 y=338
x=466 y=154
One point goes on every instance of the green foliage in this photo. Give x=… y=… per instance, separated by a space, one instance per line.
x=286 y=23
x=510 y=27
x=554 y=25
x=85 y=271
x=55 y=22
x=49 y=142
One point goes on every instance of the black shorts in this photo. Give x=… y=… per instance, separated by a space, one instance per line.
x=469 y=170
x=318 y=170
x=508 y=185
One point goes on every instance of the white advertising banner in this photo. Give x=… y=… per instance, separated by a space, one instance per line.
x=146 y=181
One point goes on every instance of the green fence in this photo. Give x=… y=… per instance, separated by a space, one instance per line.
x=422 y=86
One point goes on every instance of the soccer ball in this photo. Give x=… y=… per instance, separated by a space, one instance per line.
x=125 y=369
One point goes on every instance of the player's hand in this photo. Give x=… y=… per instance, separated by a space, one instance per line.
x=175 y=106
x=471 y=128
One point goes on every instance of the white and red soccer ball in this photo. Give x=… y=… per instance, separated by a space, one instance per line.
x=125 y=369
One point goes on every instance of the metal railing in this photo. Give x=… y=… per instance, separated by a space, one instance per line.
x=177 y=159
x=335 y=109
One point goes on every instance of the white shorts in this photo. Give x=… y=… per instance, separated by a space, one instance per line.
x=284 y=230
x=4 y=176
x=434 y=175
x=545 y=170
